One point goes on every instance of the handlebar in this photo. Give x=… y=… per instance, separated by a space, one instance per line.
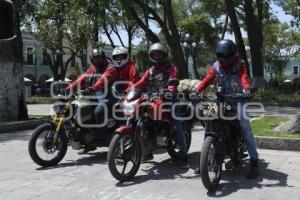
x=217 y=97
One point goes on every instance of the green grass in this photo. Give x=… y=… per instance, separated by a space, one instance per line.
x=39 y=99
x=273 y=96
x=265 y=126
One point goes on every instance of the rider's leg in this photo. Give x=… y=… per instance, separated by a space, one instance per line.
x=99 y=115
x=250 y=143
x=248 y=134
x=179 y=129
x=180 y=133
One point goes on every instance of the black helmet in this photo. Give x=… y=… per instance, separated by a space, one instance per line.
x=225 y=48
x=158 y=47
x=97 y=52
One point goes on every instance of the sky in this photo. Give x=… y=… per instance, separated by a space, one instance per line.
x=277 y=11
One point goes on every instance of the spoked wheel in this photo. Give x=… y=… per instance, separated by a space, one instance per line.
x=210 y=164
x=173 y=149
x=42 y=147
x=124 y=156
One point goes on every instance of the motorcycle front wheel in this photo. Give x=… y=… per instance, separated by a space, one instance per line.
x=210 y=164
x=42 y=148
x=124 y=156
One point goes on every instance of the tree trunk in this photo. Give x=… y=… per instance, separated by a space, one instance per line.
x=195 y=65
x=225 y=27
x=237 y=31
x=129 y=43
x=116 y=31
x=12 y=100
x=174 y=41
x=132 y=13
x=67 y=66
x=254 y=31
x=12 y=94
x=108 y=35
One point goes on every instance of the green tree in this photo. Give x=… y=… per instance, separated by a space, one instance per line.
x=163 y=14
x=60 y=26
x=291 y=7
x=280 y=45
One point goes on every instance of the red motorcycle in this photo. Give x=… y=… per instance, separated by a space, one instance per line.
x=149 y=127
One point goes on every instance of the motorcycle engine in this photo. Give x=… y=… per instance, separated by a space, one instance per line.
x=162 y=139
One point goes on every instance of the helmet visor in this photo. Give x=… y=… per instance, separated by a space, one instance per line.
x=119 y=57
x=225 y=56
x=97 y=60
x=158 y=55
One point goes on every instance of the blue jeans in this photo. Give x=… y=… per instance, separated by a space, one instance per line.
x=179 y=129
x=248 y=135
x=101 y=113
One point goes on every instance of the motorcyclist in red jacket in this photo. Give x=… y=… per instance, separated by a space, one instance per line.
x=155 y=80
x=127 y=71
x=97 y=80
x=229 y=72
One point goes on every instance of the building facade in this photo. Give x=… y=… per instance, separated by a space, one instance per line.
x=36 y=67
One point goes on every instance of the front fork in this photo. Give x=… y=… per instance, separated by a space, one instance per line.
x=59 y=124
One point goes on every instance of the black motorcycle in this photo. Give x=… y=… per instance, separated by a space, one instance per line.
x=223 y=138
x=71 y=125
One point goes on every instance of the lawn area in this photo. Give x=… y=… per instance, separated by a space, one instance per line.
x=265 y=125
x=272 y=96
x=39 y=99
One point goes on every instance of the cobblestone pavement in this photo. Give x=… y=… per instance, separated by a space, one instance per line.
x=87 y=177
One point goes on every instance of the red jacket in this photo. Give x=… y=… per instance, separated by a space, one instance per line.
x=128 y=73
x=108 y=74
x=144 y=81
x=210 y=76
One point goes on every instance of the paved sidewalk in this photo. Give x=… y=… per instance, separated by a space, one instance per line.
x=87 y=177
x=39 y=109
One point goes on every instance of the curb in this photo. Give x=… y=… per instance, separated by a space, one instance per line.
x=275 y=143
x=282 y=104
x=40 y=102
x=18 y=126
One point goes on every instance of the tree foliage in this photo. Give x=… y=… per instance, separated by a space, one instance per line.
x=281 y=43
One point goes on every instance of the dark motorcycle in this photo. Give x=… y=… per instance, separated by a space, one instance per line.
x=72 y=124
x=223 y=138
x=143 y=128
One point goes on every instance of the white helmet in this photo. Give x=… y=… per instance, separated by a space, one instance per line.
x=120 y=56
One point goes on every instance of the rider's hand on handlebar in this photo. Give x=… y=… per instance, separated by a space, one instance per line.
x=247 y=93
x=87 y=91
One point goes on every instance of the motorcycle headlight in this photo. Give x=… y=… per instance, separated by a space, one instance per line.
x=128 y=109
x=57 y=107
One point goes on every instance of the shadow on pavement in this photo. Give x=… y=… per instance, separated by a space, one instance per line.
x=232 y=181
x=165 y=170
x=93 y=158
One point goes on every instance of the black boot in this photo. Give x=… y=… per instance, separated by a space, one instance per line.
x=87 y=149
x=253 y=171
x=184 y=161
x=197 y=170
x=147 y=157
